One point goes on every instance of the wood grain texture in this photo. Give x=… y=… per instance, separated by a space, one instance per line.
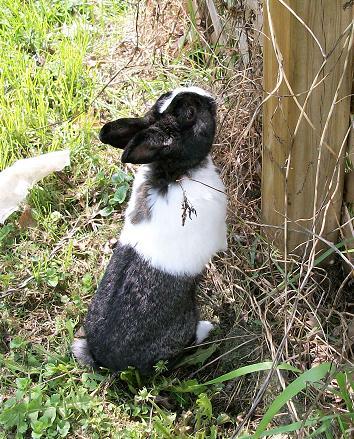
x=349 y=178
x=347 y=229
x=297 y=161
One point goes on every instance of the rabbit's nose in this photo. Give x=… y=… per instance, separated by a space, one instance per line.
x=105 y=130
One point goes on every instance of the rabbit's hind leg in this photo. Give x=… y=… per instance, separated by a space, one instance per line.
x=203 y=329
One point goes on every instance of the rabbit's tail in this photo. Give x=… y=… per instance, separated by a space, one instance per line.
x=81 y=352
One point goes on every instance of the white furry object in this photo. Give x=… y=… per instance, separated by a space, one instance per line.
x=81 y=352
x=163 y=240
x=16 y=180
x=203 y=329
x=176 y=91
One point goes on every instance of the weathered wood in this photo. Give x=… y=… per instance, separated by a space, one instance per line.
x=303 y=155
x=347 y=229
x=349 y=179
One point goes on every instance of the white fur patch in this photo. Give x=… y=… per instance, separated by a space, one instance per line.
x=179 y=90
x=81 y=351
x=79 y=347
x=203 y=329
x=163 y=240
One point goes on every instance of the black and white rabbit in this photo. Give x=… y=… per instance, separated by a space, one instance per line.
x=144 y=309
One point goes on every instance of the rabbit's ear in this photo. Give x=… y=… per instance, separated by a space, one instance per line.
x=121 y=131
x=147 y=146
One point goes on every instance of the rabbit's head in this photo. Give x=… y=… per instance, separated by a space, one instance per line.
x=180 y=128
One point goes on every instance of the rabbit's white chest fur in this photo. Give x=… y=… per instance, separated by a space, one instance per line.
x=163 y=240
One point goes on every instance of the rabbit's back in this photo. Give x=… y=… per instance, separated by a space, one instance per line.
x=139 y=314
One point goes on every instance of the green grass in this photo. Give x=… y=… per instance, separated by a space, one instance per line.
x=48 y=86
x=52 y=61
x=45 y=77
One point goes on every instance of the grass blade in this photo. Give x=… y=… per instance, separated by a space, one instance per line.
x=258 y=367
x=342 y=384
x=294 y=426
x=198 y=357
x=310 y=376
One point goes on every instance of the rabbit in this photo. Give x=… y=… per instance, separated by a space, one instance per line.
x=145 y=307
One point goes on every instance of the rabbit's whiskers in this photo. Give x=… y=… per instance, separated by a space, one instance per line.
x=200 y=182
x=207 y=185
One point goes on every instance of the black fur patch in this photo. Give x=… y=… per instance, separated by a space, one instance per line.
x=176 y=140
x=139 y=314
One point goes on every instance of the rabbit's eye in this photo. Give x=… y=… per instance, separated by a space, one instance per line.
x=190 y=112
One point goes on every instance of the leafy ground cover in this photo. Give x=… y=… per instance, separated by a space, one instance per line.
x=56 y=58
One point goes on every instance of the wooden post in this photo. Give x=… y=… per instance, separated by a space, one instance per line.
x=307 y=65
x=347 y=230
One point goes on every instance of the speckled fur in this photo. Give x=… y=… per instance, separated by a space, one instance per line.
x=130 y=323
